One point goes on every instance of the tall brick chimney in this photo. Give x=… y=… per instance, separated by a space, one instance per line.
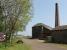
x=56 y=15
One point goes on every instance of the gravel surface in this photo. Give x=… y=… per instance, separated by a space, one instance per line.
x=40 y=45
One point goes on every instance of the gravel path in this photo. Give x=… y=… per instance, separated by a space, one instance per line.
x=39 y=45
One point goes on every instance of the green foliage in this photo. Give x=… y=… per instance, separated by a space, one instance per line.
x=17 y=13
x=26 y=12
x=1 y=19
x=14 y=16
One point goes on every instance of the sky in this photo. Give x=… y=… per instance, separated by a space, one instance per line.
x=44 y=12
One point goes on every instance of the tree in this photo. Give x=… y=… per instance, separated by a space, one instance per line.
x=16 y=14
x=1 y=18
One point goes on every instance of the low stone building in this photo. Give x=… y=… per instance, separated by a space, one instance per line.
x=59 y=34
x=40 y=31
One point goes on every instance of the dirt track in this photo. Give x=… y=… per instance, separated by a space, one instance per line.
x=39 y=45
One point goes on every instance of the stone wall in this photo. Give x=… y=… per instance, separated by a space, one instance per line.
x=59 y=36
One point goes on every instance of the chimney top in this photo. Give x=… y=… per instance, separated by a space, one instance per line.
x=56 y=3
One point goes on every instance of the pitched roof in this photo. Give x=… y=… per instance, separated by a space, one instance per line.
x=60 y=27
x=41 y=24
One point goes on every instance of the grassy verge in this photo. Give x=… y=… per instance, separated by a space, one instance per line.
x=15 y=46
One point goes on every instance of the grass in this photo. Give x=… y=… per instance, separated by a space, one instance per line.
x=15 y=46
